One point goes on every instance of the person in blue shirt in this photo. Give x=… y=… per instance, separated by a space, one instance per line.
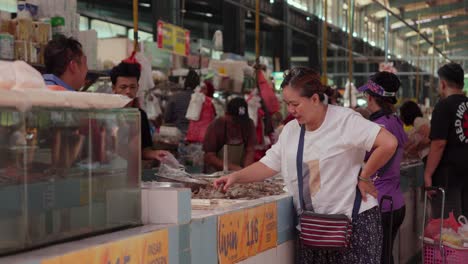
x=66 y=68
x=65 y=64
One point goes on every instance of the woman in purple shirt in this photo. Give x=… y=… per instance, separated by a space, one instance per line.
x=380 y=92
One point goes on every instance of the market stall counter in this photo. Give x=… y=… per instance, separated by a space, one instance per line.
x=63 y=174
x=255 y=227
x=407 y=246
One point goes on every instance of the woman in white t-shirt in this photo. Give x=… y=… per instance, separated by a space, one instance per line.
x=335 y=143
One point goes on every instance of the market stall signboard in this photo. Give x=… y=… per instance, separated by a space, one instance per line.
x=243 y=234
x=173 y=38
x=146 y=249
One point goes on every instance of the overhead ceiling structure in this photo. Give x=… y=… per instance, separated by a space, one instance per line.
x=446 y=21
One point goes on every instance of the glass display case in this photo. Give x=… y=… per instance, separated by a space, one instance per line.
x=67 y=173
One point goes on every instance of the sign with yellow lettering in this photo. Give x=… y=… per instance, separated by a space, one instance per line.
x=173 y=38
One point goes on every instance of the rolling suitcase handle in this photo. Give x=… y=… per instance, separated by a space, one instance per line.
x=390 y=199
x=441 y=190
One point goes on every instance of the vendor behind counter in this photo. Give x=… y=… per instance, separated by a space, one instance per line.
x=124 y=79
x=235 y=130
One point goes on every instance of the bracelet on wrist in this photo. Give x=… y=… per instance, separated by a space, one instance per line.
x=364 y=179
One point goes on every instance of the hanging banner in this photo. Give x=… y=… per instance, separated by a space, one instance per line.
x=173 y=38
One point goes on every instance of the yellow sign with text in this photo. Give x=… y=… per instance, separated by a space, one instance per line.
x=173 y=38
x=230 y=240
x=246 y=233
x=145 y=249
x=269 y=233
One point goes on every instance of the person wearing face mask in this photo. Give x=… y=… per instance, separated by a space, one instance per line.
x=124 y=78
x=334 y=141
x=380 y=92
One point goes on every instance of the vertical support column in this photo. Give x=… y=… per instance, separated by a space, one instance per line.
x=282 y=47
x=233 y=28
x=168 y=11
x=314 y=54
x=325 y=43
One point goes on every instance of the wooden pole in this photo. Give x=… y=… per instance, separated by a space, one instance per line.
x=135 y=25
x=433 y=66
x=257 y=30
x=417 y=62
x=325 y=43
x=350 y=47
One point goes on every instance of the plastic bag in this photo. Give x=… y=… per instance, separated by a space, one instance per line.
x=170 y=167
x=432 y=229
x=195 y=105
x=253 y=103
x=20 y=75
x=197 y=129
x=463 y=229
x=170 y=161
x=451 y=237
x=27 y=77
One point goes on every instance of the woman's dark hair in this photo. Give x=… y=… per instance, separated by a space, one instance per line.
x=59 y=52
x=409 y=111
x=453 y=74
x=386 y=106
x=192 y=80
x=307 y=82
x=390 y=83
x=125 y=70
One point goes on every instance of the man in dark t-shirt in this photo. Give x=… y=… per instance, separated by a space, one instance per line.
x=124 y=79
x=235 y=130
x=447 y=164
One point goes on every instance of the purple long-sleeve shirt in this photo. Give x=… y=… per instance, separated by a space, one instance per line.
x=388 y=183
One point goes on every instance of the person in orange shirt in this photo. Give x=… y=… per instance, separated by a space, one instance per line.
x=65 y=63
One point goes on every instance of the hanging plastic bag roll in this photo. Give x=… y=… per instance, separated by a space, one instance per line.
x=195 y=105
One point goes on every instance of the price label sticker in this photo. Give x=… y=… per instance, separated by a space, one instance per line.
x=253 y=228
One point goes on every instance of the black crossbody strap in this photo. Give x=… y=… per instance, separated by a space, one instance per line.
x=299 y=161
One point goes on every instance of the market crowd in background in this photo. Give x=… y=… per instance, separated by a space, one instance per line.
x=206 y=122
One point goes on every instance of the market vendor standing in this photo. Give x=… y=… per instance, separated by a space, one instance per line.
x=124 y=79
x=235 y=130
x=179 y=102
x=324 y=147
x=66 y=69
x=380 y=92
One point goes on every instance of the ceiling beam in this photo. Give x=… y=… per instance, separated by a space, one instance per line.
x=440 y=42
x=435 y=23
x=375 y=7
x=459 y=45
x=434 y=10
x=440 y=34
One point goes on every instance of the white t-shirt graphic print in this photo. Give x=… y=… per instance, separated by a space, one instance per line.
x=338 y=148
